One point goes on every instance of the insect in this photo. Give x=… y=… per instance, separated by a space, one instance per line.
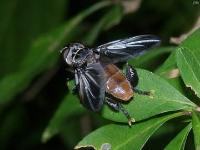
x=98 y=80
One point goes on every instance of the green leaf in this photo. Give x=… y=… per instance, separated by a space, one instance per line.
x=119 y=137
x=168 y=65
x=149 y=58
x=192 y=43
x=196 y=129
x=11 y=85
x=168 y=68
x=111 y=18
x=42 y=55
x=165 y=98
x=71 y=132
x=68 y=107
x=188 y=61
x=43 y=16
x=189 y=65
x=9 y=126
x=177 y=83
x=178 y=143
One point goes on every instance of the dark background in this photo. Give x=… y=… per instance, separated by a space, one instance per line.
x=27 y=107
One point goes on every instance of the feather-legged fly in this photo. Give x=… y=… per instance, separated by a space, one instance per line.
x=98 y=80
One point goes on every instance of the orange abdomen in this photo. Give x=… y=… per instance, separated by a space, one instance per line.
x=117 y=85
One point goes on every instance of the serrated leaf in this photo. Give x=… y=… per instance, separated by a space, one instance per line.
x=123 y=137
x=68 y=107
x=196 y=129
x=188 y=54
x=165 y=98
x=43 y=54
x=189 y=65
x=178 y=143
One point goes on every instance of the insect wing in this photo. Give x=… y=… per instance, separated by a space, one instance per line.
x=92 y=86
x=122 y=50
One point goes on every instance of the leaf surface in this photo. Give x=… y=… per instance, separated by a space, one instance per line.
x=196 y=129
x=178 y=143
x=165 y=98
x=187 y=56
x=123 y=137
x=69 y=107
x=42 y=55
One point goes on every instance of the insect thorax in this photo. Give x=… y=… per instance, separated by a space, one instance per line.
x=83 y=57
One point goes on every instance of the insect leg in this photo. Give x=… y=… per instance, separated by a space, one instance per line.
x=113 y=104
x=148 y=93
x=132 y=76
x=125 y=112
x=119 y=107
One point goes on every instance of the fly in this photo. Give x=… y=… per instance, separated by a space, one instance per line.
x=98 y=80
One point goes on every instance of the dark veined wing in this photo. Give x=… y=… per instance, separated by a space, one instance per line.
x=122 y=50
x=91 y=81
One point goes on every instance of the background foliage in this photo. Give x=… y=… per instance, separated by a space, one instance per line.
x=37 y=108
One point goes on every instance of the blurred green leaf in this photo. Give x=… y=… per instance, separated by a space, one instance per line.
x=43 y=54
x=177 y=83
x=178 y=143
x=19 y=28
x=146 y=60
x=110 y=19
x=196 y=129
x=71 y=132
x=187 y=12
x=12 y=123
x=7 y=86
x=192 y=43
x=167 y=68
x=165 y=98
x=168 y=65
x=189 y=65
x=69 y=107
x=122 y=136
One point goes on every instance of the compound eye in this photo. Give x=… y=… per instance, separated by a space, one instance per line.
x=66 y=53
x=78 y=46
x=81 y=46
